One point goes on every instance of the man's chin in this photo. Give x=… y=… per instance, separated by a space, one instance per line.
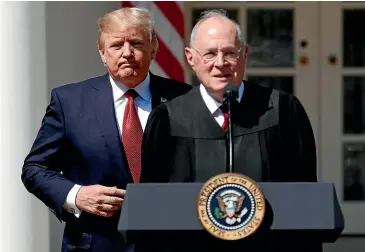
x=128 y=73
x=219 y=85
x=130 y=79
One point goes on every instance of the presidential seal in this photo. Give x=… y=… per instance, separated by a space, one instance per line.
x=231 y=206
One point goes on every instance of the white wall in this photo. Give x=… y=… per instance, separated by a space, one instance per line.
x=71 y=35
x=71 y=40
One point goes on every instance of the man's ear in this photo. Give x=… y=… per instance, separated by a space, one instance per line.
x=189 y=56
x=153 y=54
x=102 y=55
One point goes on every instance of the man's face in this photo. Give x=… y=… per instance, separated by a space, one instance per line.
x=127 y=53
x=217 y=56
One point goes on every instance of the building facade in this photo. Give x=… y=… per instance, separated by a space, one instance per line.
x=315 y=50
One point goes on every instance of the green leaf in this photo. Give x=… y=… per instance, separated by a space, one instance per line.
x=217 y=213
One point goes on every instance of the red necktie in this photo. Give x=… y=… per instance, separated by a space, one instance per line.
x=132 y=136
x=225 y=123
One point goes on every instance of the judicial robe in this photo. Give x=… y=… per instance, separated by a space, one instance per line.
x=273 y=139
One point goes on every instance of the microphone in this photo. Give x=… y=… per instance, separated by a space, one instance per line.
x=230 y=95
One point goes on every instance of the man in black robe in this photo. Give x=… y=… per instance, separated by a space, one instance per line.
x=184 y=140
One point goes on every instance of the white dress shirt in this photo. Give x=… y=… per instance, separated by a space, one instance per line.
x=143 y=105
x=213 y=105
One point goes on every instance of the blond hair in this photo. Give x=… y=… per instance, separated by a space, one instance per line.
x=129 y=17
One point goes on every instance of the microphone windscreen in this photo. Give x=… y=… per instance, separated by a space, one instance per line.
x=231 y=88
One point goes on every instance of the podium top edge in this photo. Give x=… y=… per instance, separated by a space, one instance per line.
x=259 y=183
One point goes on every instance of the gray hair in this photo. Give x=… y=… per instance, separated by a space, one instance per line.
x=216 y=13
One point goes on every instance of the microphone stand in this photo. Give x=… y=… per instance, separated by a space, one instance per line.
x=229 y=135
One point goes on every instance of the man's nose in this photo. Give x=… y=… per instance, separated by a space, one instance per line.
x=219 y=61
x=127 y=50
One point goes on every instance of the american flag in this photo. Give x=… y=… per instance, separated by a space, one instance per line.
x=169 y=25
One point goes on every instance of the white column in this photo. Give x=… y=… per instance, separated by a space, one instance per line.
x=24 y=220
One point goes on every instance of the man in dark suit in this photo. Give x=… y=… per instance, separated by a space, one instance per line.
x=92 y=133
x=184 y=140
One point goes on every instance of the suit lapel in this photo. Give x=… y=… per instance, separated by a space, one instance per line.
x=103 y=105
x=156 y=90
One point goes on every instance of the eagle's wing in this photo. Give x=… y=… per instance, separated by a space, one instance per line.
x=222 y=207
x=240 y=203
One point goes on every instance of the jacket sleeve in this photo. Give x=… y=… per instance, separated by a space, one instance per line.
x=301 y=147
x=40 y=174
x=157 y=148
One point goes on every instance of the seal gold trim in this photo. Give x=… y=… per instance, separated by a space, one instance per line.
x=231 y=183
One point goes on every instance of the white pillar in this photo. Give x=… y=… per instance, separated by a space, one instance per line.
x=24 y=220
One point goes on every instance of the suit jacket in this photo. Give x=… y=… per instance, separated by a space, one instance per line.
x=79 y=137
x=273 y=139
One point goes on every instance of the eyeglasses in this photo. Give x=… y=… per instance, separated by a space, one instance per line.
x=228 y=54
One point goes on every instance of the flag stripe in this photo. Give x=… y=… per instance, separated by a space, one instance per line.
x=165 y=30
x=181 y=6
x=169 y=63
x=173 y=13
x=169 y=26
x=127 y=4
x=156 y=69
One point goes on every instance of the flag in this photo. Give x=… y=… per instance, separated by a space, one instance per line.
x=169 y=26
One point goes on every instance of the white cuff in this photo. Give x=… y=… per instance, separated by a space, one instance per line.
x=70 y=204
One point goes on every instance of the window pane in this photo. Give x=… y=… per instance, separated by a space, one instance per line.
x=354 y=38
x=354 y=172
x=283 y=83
x=270 y=37
x=354 y=105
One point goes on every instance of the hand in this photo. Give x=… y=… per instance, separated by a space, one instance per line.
x=100 y=200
